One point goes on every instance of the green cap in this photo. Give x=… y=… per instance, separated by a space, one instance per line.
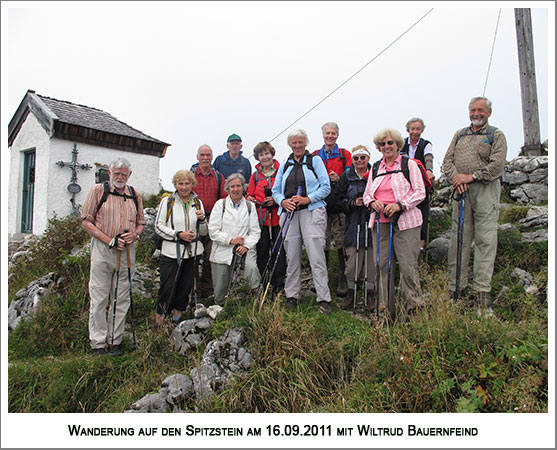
x=234 y=137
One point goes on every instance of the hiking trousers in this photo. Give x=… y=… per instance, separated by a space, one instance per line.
x=101 y=292
x=406 y=249
x=307 y=227
x=481 y=214
x=222 y=272
x=350 y=271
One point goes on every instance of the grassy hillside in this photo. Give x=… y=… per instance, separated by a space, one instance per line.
x=444 y=359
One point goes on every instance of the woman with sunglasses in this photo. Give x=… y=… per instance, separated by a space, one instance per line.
x=393 y=202
x=349 y=192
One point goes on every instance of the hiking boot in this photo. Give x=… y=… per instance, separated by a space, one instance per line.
x=324 y=307
x=99 y=351
x=371 y=301
x=291 y=302
x=342 y=288
x=348 y=302
x=115 y=350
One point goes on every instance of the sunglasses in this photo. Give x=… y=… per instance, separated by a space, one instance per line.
x=357 y=158
x=382 y=144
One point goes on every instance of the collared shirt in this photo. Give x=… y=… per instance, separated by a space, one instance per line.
x=409 y=194
x=473 y=154
x=207 y=188
x=428 y=149
x=116 y=215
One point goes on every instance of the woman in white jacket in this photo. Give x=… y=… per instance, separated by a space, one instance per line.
x=233 y=221
x=180 y=220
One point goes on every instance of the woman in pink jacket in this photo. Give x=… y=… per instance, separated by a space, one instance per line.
x=394 y=189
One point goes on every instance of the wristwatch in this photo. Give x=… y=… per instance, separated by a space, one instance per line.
x=474 y=176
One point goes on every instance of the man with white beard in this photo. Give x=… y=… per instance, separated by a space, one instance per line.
x=474 y=164
x=113 y=215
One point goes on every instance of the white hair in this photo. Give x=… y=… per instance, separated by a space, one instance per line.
x=297 y=134
x=119 y=164
x=475 y=99
x=330 y=125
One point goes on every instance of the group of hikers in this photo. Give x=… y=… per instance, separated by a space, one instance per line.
x=224 y=221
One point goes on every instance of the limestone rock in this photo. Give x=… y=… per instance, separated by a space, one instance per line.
x=152 y=403
x=530 y=193
x=28 y=300
x=535 y=236
x=178 y=388
x=534 y=222
x=437 y=213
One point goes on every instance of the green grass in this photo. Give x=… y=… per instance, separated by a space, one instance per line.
x=444 y=359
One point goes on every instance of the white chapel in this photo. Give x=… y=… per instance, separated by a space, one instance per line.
x=59 y=150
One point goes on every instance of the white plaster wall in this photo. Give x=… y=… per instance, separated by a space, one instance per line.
x=51 y=181
x=144 y=178
x=31 y=135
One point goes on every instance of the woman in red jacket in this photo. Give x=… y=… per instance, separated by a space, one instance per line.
x=259 y=192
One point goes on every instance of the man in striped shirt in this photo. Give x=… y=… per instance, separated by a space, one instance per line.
x=113 y=223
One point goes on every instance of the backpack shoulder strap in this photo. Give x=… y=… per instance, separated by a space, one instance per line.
x=404 y=168
x=134 y=196
x=106 y=192
x=491 y=134
x=342 y=153
x=309 y=163
x=375 y=169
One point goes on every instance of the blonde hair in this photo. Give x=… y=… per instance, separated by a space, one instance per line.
x=394 y=134
x=183 y=175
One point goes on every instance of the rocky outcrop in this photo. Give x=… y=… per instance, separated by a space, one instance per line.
x=28 y=300
x=527 y=177
x=222 y=360
x=189 y=334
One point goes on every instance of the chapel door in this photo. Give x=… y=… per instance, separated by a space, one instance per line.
x=28 y=192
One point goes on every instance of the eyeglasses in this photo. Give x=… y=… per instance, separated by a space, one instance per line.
x=382 y=144
x=357 y=158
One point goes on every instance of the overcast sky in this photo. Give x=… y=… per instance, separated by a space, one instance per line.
x=193 y=73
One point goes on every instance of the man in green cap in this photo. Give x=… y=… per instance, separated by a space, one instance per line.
x=232 y=161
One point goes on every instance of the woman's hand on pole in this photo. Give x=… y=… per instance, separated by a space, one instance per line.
x=200 y=214
x=241 y=250
x=187 y=236
x=288 y=204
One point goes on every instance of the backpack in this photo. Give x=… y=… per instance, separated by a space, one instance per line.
x=156 y=238
x=248 y=203
x=490 y=133
x=256 y=177
x=106 y=193
x=404 y=169
x=308 y=162
x=342 y=153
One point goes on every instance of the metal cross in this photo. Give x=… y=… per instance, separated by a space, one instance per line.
x=73 y=187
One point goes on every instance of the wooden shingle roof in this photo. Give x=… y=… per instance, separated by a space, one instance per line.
x=81 y=123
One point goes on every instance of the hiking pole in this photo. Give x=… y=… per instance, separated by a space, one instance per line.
x=118 y=257
x=282 y=236
x=196 y=270
x=377 y=274
x=389 y=293
x=365 y=262
x=179 y=258
x=459 y=236
x=233 y=265
x=130 y=285
x=357 y=255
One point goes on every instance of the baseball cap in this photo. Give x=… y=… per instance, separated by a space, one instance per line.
x=234 y=137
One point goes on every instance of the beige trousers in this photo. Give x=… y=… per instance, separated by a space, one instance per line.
x=405 y=250
x=481 y=214
x=102 y=282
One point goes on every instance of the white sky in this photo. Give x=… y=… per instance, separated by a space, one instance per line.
x=193 y=73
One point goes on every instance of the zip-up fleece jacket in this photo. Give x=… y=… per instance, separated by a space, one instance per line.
x=317 y=188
